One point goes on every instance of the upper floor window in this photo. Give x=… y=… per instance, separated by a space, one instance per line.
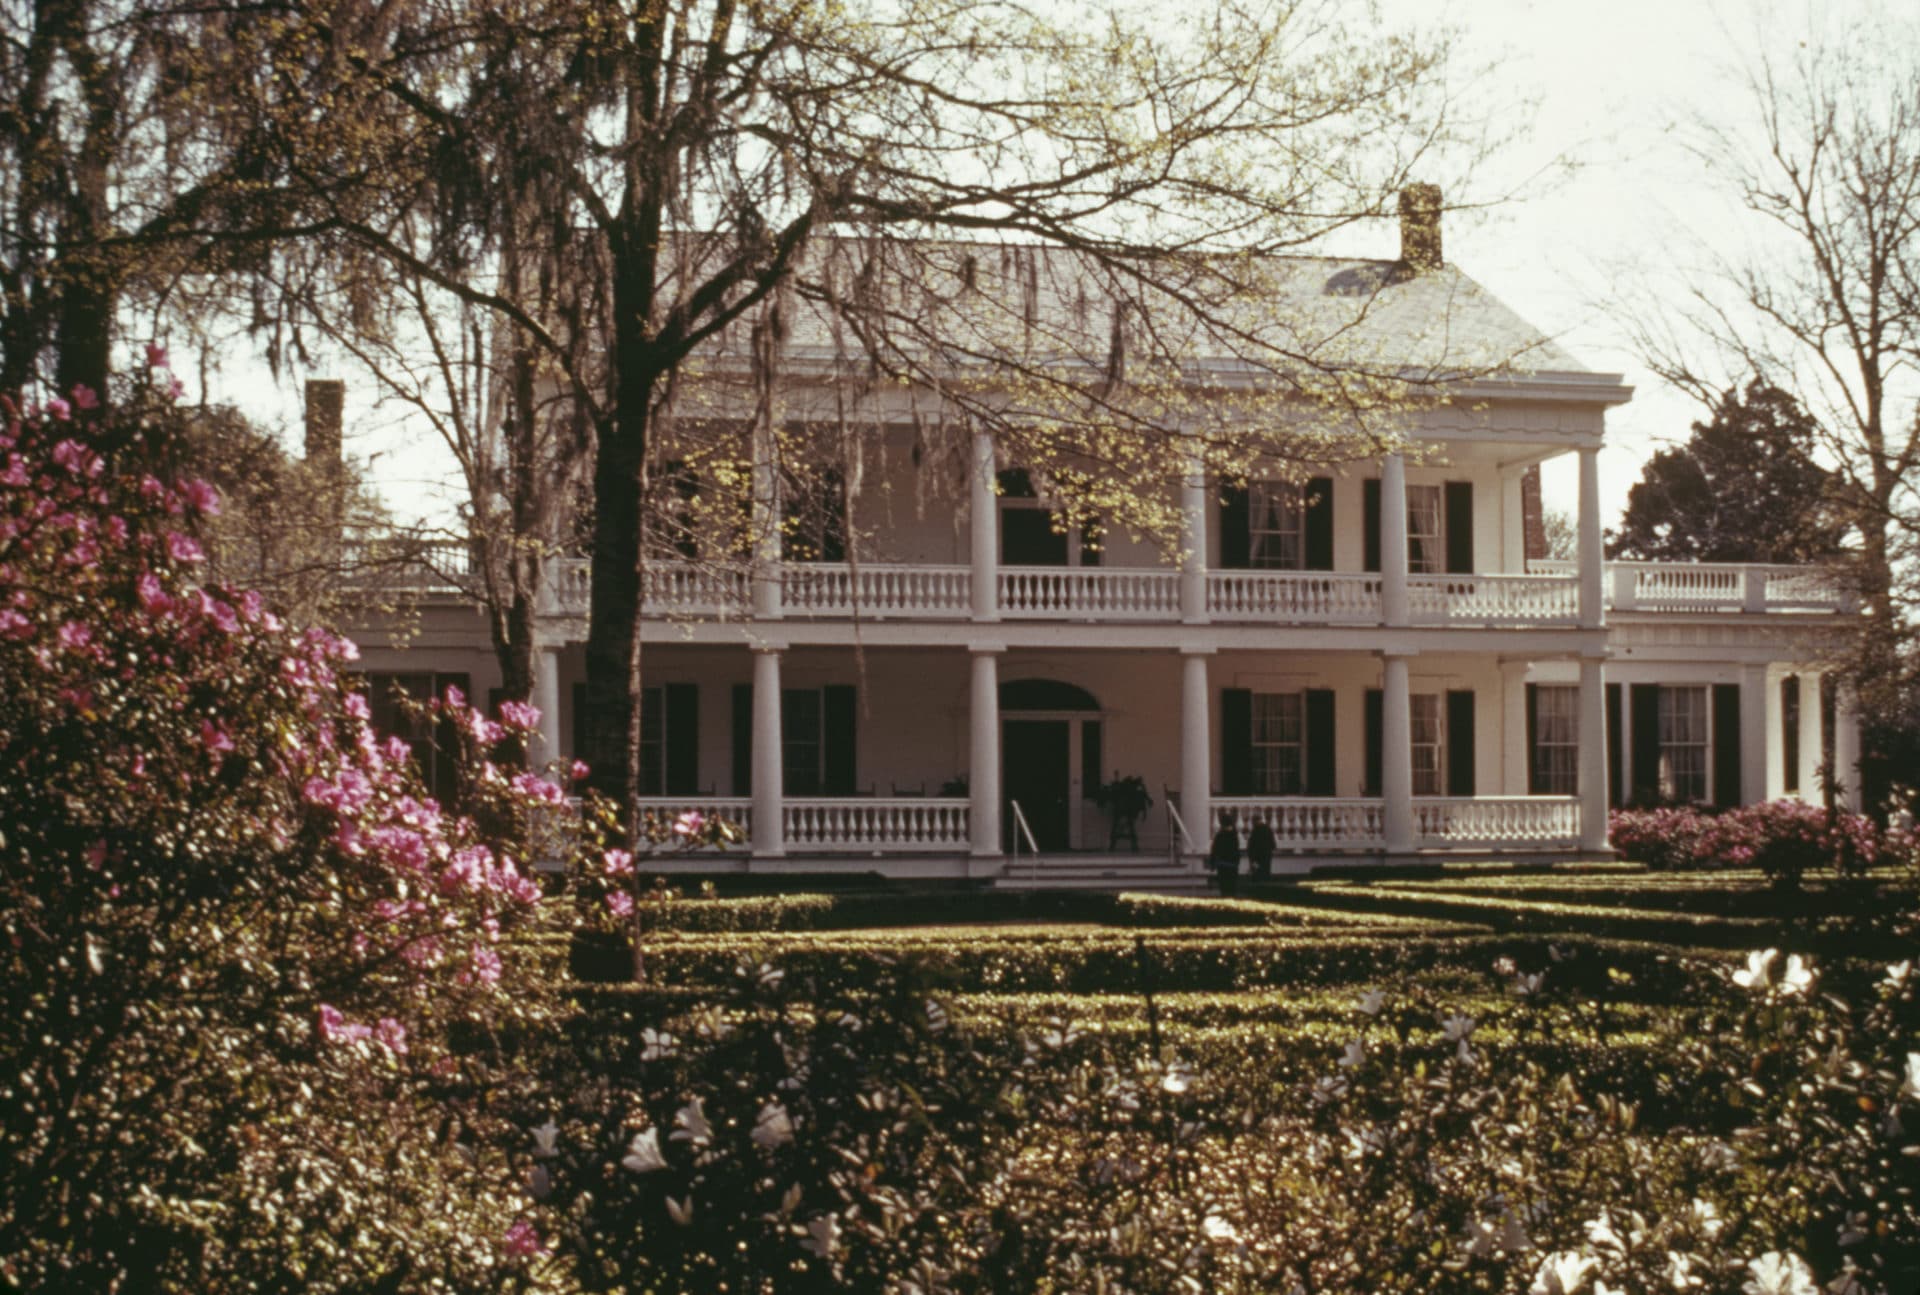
x=1277 y=526
x=1683 y=744
x=1426 y=530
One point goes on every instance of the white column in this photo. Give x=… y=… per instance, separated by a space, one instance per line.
x=1393 y=540
x=1592 y=613
x=1846 y=746
x=1812 y=740
x=1196 y=749
x=983 y=765
x=1514 y=753
x=765 y=521
x=1592 y=767
x=769 y=773
x=1193 y=521
x=1755 y=749
x=1396 y=749
x=546 y=697
x=983 y=530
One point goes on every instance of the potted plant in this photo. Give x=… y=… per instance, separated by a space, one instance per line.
x=1126 y=801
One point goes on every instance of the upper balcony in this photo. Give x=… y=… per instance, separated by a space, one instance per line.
x=1546 y=597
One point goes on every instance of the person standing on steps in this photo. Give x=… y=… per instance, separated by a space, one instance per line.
x=1224 y=857
x=1260 y=844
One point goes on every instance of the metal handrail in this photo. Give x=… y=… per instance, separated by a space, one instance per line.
x=1033 y=847
x=1176 y=829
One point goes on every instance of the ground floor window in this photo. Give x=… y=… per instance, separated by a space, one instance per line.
x=800 y=718
x=392 y=699
x=1556 y=740
x=1429 y=745
x=1279 y=743
x=1683 y=744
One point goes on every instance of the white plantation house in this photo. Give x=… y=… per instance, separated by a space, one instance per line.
x=1377 y=662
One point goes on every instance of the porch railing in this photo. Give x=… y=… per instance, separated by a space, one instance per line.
x=880 y=591
x=1493 y=599
x=666 y=810
x=893 y=824
x=1096 y=593
x=1320 y=597
x=1497 y=821
x=1307 y=822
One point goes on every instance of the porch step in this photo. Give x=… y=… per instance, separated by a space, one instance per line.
x=1099 y=872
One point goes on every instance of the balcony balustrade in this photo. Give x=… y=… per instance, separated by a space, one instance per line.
x=1311 y=824
x=884 y=824
x=1546 y=596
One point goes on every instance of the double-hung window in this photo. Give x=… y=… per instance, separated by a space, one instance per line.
x=1556 y=740
x=1683 y=744
x=1429 y=745
x=1279 y=743
x=800 y=733
x=1426 y=530
x=1276 y=526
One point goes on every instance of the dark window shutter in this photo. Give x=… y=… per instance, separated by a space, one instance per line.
x=1236 y=743
x=839 y=704
x=1319 y=524
x=1616 y=782
x=1370 y=520
x=1459 y=527
x=1533 y=739
x=743 y=739
x=1236 y=528
x=683 y=739
x=1460 y=755
x=1320 y=742
x=1376 y=719
x=1790 y=733
x=1645 y=700
x=1726 y=745
x=833 y=520
x=1092 y=759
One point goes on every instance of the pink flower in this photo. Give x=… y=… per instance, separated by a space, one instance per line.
x=214 y=738
x=689 y=824
x=335 y=1028
x=156 y=356
x=619 y=863
x=485 y=967
x=62 y=412
x=523 y=1241
x=13 y=625
x=520 y=715
x=84 y=397
x=357 y=706
x=153 y=598
x=391 y=1035
x=184 y=548
x=201 y=497
x=578 y=770
x=620 y=902
x=74 y=635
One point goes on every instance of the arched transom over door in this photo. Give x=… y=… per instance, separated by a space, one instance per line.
x=1050 y=743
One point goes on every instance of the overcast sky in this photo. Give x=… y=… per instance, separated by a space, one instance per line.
x=1610 y=193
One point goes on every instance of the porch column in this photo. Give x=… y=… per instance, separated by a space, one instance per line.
x=546 y=697
x=765 y=520
x=983 y=763
x=1812 y=740
x=1591 y=771
x=1393 y=542
x=1515 y=757
x=983 y=532
x=1196 y=748
x=1396 y=744
x=1756 y=741
x=1846 y=746
x=1592 y=611
x=1193 y=520
x=769 y=773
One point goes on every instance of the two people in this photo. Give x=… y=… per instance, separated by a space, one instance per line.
x=1224 y=855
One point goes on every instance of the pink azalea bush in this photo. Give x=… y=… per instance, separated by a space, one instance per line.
x=238 y=940
x=1783 y=838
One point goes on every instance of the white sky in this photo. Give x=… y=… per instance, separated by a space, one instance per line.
x=1606 y=84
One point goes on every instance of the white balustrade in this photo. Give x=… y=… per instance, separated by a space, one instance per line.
x=1493 y=599
x=570 y=585
x=1713 y=586
x=694 y=589
x=895 y=824
x=665 y=811
x=1316 y=597
x=1091 y=593
x=1307 y=823
x=1461 y=822
x=880 y=590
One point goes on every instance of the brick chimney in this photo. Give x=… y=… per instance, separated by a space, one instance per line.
x=326 y=404
x=1420 y=227
x=1533 y=517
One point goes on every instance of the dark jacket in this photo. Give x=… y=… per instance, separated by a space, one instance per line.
x=1260 y=845
x=1225 y=852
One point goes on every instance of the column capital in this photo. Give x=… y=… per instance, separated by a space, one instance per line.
x=1198 y=649
x=986 y=647
x=771 y=647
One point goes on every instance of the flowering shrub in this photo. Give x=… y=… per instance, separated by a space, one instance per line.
x=1660 y=838
x=606 y=877
x=235 y=933
x=1783 y=838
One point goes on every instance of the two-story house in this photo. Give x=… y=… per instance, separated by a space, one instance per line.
x=1376 y=661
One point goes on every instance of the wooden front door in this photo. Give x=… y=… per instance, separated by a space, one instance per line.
x=1036 y=773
